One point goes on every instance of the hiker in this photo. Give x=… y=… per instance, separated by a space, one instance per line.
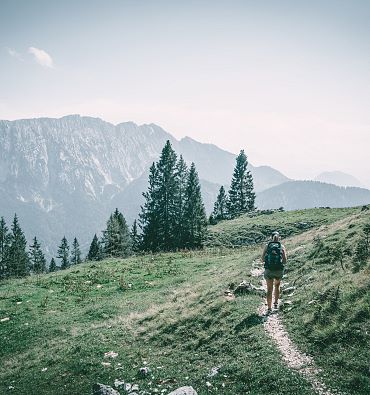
x=274 y=257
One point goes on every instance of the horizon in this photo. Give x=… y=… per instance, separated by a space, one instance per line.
x=236 y=75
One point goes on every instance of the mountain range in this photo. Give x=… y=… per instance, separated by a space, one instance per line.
x=64 y=176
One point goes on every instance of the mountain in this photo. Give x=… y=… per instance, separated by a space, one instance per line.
x=339 y=178
x=293 y=195
x=64 y=176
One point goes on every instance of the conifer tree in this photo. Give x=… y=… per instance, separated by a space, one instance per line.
x=195 y=216
x=116 y=237
x=241 y=195
x=135 y=237
x=181 y=175
x=167 y=191
x=75 y=253
x=94 y=251
x=63 y=254
x=19 y=264
x=148 y=218
x=158 y=214
x=220 y=208
x=53 y=266
x=37 y=258
x=4 y=249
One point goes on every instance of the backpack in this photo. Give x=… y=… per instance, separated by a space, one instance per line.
x=274 y=256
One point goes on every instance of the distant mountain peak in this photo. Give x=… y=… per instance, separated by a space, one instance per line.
x=339 y=178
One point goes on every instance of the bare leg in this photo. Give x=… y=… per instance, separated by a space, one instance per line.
x=270 y=284
x=276 y=291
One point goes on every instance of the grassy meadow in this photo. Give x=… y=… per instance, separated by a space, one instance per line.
x=169 y=312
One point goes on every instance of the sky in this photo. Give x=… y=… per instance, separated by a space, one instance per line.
x=288 y=81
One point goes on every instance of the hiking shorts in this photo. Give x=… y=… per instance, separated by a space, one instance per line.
x=273 y=274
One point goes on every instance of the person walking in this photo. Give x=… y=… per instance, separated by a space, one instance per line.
x=274 y=257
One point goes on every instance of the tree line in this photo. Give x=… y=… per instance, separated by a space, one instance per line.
x=17 y=261
x=241 y=196
x=172 y=218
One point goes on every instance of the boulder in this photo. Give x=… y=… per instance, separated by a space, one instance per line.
x=184 y=391
x=102 y=389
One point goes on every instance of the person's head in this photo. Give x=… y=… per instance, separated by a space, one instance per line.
x=275 y=236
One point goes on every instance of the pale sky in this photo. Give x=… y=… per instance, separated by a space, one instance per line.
x=288 y=81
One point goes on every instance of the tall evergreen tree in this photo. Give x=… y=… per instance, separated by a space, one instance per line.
x=53 y=266
x=135 y=237
x=220 y=208
x=19 y=263
x=5 y=239
x=148 y=218
x=158 y=214
x=63 y=253
x=116 y=237
x=37 y=258
x=75 y=253
x=95 y=250
x=181 y=175
x=241 y=195
x=167 y=191
x=195 y=215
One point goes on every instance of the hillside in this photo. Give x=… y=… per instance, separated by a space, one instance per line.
x=168 y=312
x=295 y=195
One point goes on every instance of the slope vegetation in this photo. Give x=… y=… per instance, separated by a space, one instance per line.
x=169 y=312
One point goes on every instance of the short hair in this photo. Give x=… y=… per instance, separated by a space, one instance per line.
x=275 y=235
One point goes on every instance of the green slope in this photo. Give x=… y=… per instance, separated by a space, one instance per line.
x=173 y=318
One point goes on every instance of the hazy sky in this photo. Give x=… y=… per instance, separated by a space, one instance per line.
x=289 y=81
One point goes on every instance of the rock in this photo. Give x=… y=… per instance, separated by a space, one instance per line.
x=118 y=383
x=214 y=371
x=184 y=391
x=110 y=354
x=102 y=389
x=144 y=371
x=246 y=287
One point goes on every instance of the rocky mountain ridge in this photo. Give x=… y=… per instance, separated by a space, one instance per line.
x=63 y=176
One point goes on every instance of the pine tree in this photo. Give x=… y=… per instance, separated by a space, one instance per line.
x=195 y=216
x=158 y=214
x=116 y=237
x=37 y=258
x=75 y=253
x=220 y=207
x=135 y=238
x=181 y=175
x=94 y=251
x=241 y=195
x=5 y=238
x=63 y=253
x=167 y=191
x=148 y=218
x=19 y=264
x=251 y=196
x=53 y=266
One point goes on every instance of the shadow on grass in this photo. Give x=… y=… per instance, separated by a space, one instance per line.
x=252 y=320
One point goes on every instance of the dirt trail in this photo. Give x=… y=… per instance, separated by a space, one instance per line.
x=294 y=359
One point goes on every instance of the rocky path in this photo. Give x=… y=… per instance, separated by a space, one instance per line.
x=293 y=358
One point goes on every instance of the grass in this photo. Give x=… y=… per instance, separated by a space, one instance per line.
x=330 y=314
x=168 y=312
x=250 y=230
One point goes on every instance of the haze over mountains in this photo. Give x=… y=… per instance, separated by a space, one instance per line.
x=64 y=176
